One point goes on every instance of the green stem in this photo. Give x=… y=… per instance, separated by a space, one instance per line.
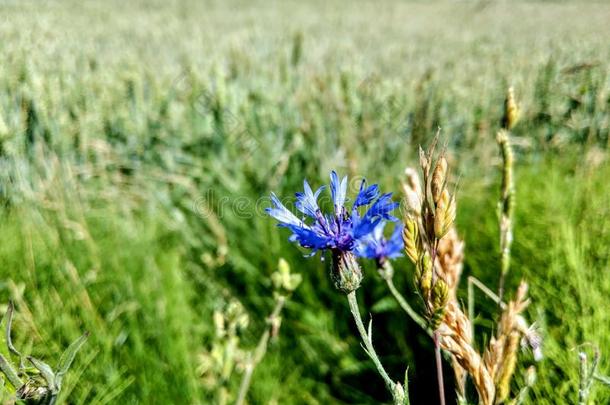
x=474 y=282
x=583 y=394
x=368 y=344
x=50 y=399
x=477 y=283
x=471 y=307
x=407 y=308
x=506 y=205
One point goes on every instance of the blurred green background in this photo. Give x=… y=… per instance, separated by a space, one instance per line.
x=138 y=138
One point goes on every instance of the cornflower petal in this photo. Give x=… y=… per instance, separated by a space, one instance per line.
x=368 y=245
x=282 y=214
x=308 y=238
x=382 y=208
x=338 y=191
x=366 y=195
x=376 y=246
x=395 y=244
x=364 y=226
x=307 y=202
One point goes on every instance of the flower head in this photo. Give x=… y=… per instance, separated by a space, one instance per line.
x=342 y=230
x=377 y=246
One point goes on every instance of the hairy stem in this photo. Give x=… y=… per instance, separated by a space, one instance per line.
x=368 y=343
x=406 y=307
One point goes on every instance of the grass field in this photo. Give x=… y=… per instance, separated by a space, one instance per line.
x=139 y=142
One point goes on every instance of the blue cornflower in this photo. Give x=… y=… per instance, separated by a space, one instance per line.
x=377 y=246
x=342 y=230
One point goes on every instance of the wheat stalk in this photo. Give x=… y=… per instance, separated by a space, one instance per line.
x=433 y=245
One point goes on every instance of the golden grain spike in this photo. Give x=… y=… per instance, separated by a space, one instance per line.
x=438 y=178
x=511 y=110
x=444 y=214
x=410 y=236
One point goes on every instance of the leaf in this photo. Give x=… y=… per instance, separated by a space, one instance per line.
x=45 y=371
x=406 y=387
x=67 y=357
x=10 y=373
x=3 y=336
x=9 y=325
x=602 y=379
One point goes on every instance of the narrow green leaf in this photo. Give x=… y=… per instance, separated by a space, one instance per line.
x=45 y=371
x=3 y=342
x=406 y=387
x=603 y=379
x=9 y=326
x=68 y=356
x=10 y=373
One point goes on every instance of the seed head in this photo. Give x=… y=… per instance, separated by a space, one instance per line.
x=423 y=160
x=423 y=275
x=410 y=235
x=438 y=178
x=503 y=140
x=450 y=254
x=511 y=110
x=438 y=303
x=440 y=294
x=507 y=369
x=444 y=214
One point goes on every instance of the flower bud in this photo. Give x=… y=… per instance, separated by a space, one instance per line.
x=283 y=280
x=346 y=272
x=399 y=394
